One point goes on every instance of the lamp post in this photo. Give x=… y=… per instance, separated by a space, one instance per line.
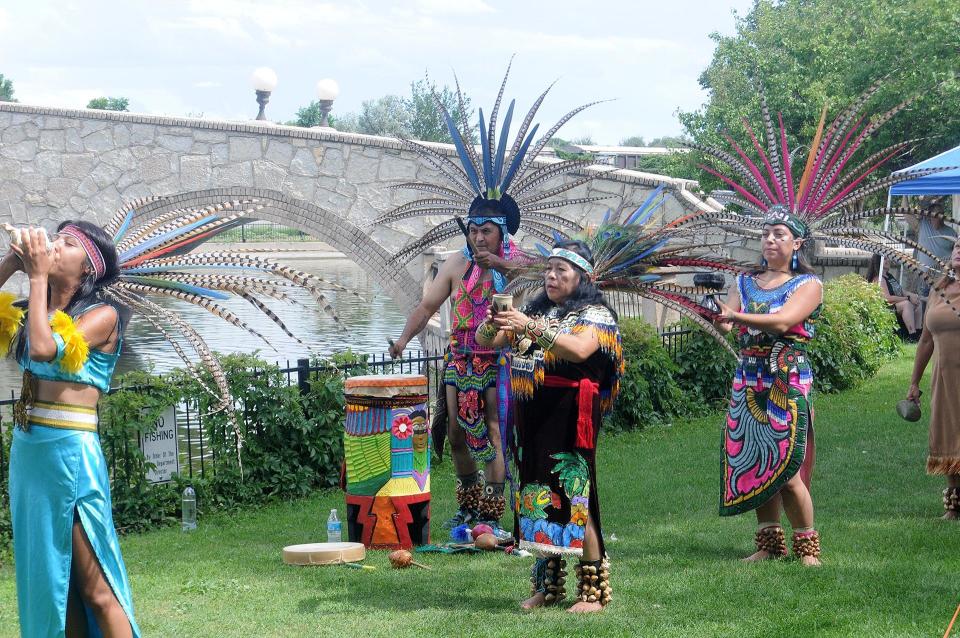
x=327 y=91
x=264 y=81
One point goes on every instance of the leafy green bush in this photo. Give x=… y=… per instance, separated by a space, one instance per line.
x=704 y=368
x=293 y=441
x=137 y=504
x=649 y=394
x=855 y=335
x=6 y=526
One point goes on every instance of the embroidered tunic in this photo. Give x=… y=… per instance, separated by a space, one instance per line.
x=768 y=434
x=472 y=368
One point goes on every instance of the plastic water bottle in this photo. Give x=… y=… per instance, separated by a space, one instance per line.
x=333 y=527
x=188 y=507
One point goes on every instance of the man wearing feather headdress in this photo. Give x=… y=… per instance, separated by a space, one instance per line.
x=468 y=279
x=501 y=191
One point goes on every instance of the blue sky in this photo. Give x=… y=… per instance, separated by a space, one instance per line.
x=195 y=57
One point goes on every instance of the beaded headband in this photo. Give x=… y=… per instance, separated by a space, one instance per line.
x=779 y=215
x=93 y=253
x=573 y=258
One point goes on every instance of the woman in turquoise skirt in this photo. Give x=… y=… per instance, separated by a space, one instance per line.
x=71 y=580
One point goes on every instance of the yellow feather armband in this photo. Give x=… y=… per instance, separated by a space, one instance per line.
x=75 y=347
x=11 y=318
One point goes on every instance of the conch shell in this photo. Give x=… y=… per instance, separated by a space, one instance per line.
x=18 y=235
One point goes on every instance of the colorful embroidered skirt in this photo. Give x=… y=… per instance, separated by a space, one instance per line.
x=768 y=436
x=57 y=473
x=558 y=480
x=471 y=374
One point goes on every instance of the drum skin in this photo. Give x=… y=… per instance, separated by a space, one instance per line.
x=323 y=553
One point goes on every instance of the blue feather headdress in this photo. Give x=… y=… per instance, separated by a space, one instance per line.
x=498 y=184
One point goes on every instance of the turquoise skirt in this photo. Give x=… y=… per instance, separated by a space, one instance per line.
x=55 y=474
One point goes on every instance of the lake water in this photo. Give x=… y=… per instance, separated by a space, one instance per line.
x=369 y=320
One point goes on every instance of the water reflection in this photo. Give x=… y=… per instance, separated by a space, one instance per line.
x=369 y=321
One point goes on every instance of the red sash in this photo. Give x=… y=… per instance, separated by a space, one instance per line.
x=587 y=391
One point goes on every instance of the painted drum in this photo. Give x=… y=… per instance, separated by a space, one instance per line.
x=324 y=553
x=386 y=445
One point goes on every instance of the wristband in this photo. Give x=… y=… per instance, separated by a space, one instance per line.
x=541 y=333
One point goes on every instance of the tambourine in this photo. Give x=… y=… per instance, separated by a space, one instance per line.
x=324 y=553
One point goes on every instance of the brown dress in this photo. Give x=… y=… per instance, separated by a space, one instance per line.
x=944 y=326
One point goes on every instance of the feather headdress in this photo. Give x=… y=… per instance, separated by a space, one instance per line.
x=495 y=184
x=157 y=260
x=636 y=256
x=822 y=203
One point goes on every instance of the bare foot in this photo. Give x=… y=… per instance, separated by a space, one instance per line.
x=951 y=515
x=758 y=556
x=535 y=601
x=810 y=561
x=583 y=607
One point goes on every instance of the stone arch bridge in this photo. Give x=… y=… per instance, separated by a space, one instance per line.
x=58 y=164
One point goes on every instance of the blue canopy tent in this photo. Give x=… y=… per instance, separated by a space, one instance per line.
x=943 y=183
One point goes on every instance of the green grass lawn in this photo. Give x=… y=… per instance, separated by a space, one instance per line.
x=890 y=564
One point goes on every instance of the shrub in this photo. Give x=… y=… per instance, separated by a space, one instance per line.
x=855 y=335
x=6 y=526
x=293 y=441
x=649 y=394
x=704 y=368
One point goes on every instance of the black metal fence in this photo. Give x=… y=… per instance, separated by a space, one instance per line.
x=626 y=304
x=193 y=447
x=675 y=338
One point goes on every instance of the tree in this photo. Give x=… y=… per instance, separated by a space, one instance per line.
x=386 y=116
x=415 y=117
x=669 y=141
x=6 y=89
x=109 y=104
x=426 y=122
x=807 y=53
x=308 y=116
x=633 y=140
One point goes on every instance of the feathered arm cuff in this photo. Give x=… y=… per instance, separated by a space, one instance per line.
x=72 y=347
x=11 y=318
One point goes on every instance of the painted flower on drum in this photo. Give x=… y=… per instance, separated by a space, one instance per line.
x=402 y=427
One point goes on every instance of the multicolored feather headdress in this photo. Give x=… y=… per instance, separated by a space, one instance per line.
x=495 y=185
x=156 y=260
x=636 y=256
x=822 y=203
